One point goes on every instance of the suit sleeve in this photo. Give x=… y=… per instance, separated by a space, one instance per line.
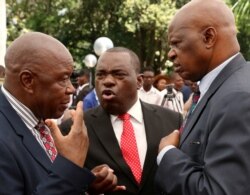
x=64 y=177
x=224 y=166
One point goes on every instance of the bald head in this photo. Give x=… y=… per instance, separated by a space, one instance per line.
x=203 y=14
x=38 y=68
x=32 y=50
x=202 y=34
x=206 y=13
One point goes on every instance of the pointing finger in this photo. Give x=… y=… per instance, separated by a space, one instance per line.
x=78 y=118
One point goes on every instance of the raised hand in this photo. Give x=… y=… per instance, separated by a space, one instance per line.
x=73 y=146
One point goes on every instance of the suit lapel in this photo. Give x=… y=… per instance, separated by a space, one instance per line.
x=233 y=66
x=151 y=120
x=29 y=141
x=104 y=131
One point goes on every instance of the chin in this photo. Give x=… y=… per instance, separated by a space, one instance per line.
x=58 y=115
x=113 y=109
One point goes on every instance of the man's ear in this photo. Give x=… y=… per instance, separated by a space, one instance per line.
x=139 y=81
x=209 y=36
x=27 y=80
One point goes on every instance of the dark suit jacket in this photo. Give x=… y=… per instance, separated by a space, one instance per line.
x=104 y=147
x=24 y=166
x=214 y=155
x=85 y=90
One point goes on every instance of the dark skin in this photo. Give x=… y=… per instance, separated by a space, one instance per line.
x=197 y=43
x=81 y=80
x=178 y=81
x=2 y=71
x=37 y=66
x=117 y=82
x=148 y=79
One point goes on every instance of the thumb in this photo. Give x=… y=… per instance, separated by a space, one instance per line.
x=54 y=129
x=175 y=136
x=176 y=132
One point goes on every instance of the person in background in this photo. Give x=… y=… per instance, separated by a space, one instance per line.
x=35 y=157
x=148 y=93
x=186 y=90
x=194 y=88
x=210 y=155
x=83 y=86
x=116 y=82
x=161 y=81
x=172 y=96
x=91 y=100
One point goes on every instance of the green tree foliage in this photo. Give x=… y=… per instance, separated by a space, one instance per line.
x=148 y=23
x=137 y=24
x=180 y=3
x=241 y=9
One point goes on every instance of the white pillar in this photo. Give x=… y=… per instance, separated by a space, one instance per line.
x=3 y=31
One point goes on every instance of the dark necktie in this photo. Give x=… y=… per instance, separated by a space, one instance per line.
x=195 y=99
x=47 y=141
x=129 y=147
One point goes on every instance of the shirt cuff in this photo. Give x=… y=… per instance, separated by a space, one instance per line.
x=162 y=152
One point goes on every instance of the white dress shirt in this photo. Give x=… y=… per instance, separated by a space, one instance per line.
x=79 y=88
x=26 y=116
x=153 y=96
x=139 y=129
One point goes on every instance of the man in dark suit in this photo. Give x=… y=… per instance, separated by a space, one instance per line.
x=116 y=82
x=37 y=87
x=211 y=156
x=83 y=86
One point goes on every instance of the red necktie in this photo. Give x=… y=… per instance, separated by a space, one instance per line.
x=195 y=99
x=47 y=141
x=129 y=147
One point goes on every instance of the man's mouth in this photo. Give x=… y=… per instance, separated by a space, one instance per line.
x=108 y=94
x=177 y=67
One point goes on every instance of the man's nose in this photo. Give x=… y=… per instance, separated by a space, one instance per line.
x=171 y=54
x=70 y=88
x=108 y=80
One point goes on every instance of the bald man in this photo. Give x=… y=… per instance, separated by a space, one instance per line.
x=210 y=156
x=37 y=87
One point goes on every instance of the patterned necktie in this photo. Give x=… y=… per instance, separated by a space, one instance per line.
x=195 y=99
x=129 y=147
x=47 y=141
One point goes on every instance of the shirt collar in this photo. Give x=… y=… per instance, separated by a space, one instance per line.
x=207 y=80
x=135 y=111
x=84 y=85
x=23 y=111
x=152 y=90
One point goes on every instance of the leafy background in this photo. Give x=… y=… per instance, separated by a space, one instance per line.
x=140 y=25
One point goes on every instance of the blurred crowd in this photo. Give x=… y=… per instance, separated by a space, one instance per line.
x=131 y=132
